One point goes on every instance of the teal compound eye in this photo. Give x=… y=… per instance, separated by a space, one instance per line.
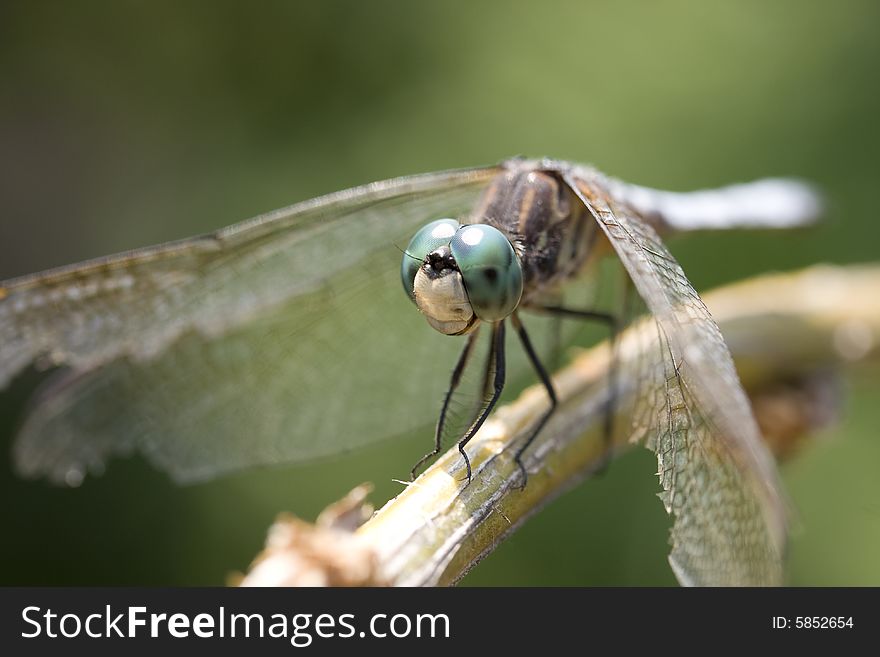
x=491 y=270
x=429 y=238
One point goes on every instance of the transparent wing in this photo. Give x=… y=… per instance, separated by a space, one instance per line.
x=281 y=339
x=718 y=479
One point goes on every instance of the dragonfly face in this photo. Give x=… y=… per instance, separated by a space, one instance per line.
x=263 y=343
x=458 y=275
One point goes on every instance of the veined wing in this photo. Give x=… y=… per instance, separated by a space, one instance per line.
x=280 y=339
x=718 y=479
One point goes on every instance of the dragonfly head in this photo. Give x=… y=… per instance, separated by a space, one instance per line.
x=458 y=275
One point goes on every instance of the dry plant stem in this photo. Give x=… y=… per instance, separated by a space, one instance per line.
x=779 y=327
x=437 y=529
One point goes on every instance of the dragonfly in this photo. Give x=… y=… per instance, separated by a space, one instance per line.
x=278 y=339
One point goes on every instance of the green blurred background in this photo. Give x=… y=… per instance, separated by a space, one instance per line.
x=124 y=124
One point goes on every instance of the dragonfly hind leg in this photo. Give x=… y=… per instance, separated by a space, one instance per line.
x=551 y=392
x=609 y=408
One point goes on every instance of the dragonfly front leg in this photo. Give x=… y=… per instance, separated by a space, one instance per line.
x=453 y=384
x=497 y=359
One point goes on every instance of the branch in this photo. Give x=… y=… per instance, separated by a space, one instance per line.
x=787 y=333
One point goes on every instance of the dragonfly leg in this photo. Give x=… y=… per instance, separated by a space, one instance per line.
x=453 y=384
x=497 y=357
x=548 y=384
x=613 y=324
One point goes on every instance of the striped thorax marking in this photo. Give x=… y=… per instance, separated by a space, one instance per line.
x=548 y=225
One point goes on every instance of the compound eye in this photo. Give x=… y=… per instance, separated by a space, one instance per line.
x=490 y=269
x=429 y=238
